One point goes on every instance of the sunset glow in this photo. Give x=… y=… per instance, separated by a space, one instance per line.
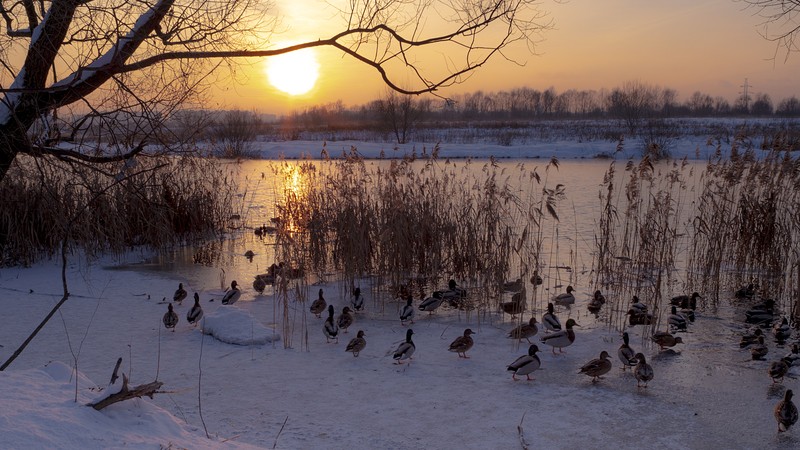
x=294 y=73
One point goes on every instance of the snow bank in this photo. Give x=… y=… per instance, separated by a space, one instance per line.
x=232 y=325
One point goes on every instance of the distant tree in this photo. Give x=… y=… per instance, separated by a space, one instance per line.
x=85 y=63
x=633 y=102
x=700 y=105
x=762 y=106
x=721 y=106
x=401 y=113
x=781 y=22
x=234 y=133
x=788 y=107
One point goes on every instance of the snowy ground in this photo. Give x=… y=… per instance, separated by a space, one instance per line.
x=708 y=394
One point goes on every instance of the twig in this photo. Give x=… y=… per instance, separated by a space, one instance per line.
x=199 y=383
x=521 y=433
x=279 y=432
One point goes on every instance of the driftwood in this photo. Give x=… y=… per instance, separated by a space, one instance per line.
x=126 y=393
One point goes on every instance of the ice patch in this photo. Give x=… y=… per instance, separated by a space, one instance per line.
x=232 y=325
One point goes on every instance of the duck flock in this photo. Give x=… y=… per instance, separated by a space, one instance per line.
x=760 y=316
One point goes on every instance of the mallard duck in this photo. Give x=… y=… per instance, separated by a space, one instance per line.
x=170 y=318
x=777 y=370
x=515 y=306
x=259 y=284
x=196 y=312
x=525 y=364
x=677 y=321
x=180 y=294
x=781 y=330
x=561 y=339
x=686 y=301
x=318 y=305
x=793 y=357
x=748 y=291
x=637 y=306
x=406 y=349
x=345 y=319
x=665 y=339
x=432 y=303
x=357 y=302
x=232 y=295
x=626 y=353
x=750 y=339
x=597 y=302
x=356 y=344
x=597 y=367
x=759 y=350
x=524 y=331
x=643 y=371
x=455 y=295
x=408 y=312
x=462 y=344
x=536 y=280
x=513 y=286
x=786 y=412
x=760 y=313
x=330 y=328
x=565 y=299
x=550 y=320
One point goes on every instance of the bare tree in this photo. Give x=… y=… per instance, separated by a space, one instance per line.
x=401 y=113
x=781 y=22
x=79 y=68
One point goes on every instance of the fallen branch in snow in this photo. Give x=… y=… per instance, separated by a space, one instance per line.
x=522 y=434
x=126 y=393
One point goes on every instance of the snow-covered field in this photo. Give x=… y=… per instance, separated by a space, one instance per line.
x=708 y=393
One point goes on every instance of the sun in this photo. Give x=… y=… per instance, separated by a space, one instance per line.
x=294 y=73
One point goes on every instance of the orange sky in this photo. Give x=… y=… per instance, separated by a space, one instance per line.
x=687 y=45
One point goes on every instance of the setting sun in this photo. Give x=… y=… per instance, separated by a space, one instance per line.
x=294 y=73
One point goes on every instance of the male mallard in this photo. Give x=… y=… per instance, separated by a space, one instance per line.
x=525 y=364
x=524 y=331
x=345 y=319
x=686 y=301
x=750 y=339
x=781 y=330
x=170 y=318
x=516 y=305
x=462 y=344
x=638 y=306
x=565 y=299
x=330 y=328
x=665 y=339
x=626 y=353
x=232 y=295
x=356 y=344
x=643 y=372
x=408 y=312
x=550 y=320
x=357 y=302
x=406 y=349
x=786 y=412
x=561 y=339
x=759 y=350
x=318 y=305
x=180 y=294
x=196 y=312
x=259 y=284
x=677 y=321
x=432 y=303
x=778 y=369
x=597 y=367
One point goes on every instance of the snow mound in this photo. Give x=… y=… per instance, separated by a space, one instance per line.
x=232 y=325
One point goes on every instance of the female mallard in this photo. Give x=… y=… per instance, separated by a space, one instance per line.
x=318 y=305
x=462 y=344
x=626 y=353
x=565 y=299
x=513 y=286
x=665 y=339
x=750 y=339
x=345 y=319
x=561 y=339
x=759 y=350
x=597 y=367
x=330 y=328
x=597 y=302
x=170 y=318
x=685 y=301
x=232 y=295
x=677 y=321
x=524 y=331
x=357 y=302
x=550 y=320
x=793 y=357
x=777 y=370
x=516 y=305
x=786 y=412
x=536 y=280
x=432 y=303
x=356 y=344
x=180 y=294
x=526 y=364
x=259 y=284
x=781 y=330
x=638 y=306
x=748 y=291
x=406 y=349
x=408 y=312
x=196 y=312
x=760 y=313
x=643 y=372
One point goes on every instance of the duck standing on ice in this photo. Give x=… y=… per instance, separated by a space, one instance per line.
x=170 y=318
x=196 y=312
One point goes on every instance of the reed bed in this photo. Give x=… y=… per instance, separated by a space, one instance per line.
x=150 y=201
